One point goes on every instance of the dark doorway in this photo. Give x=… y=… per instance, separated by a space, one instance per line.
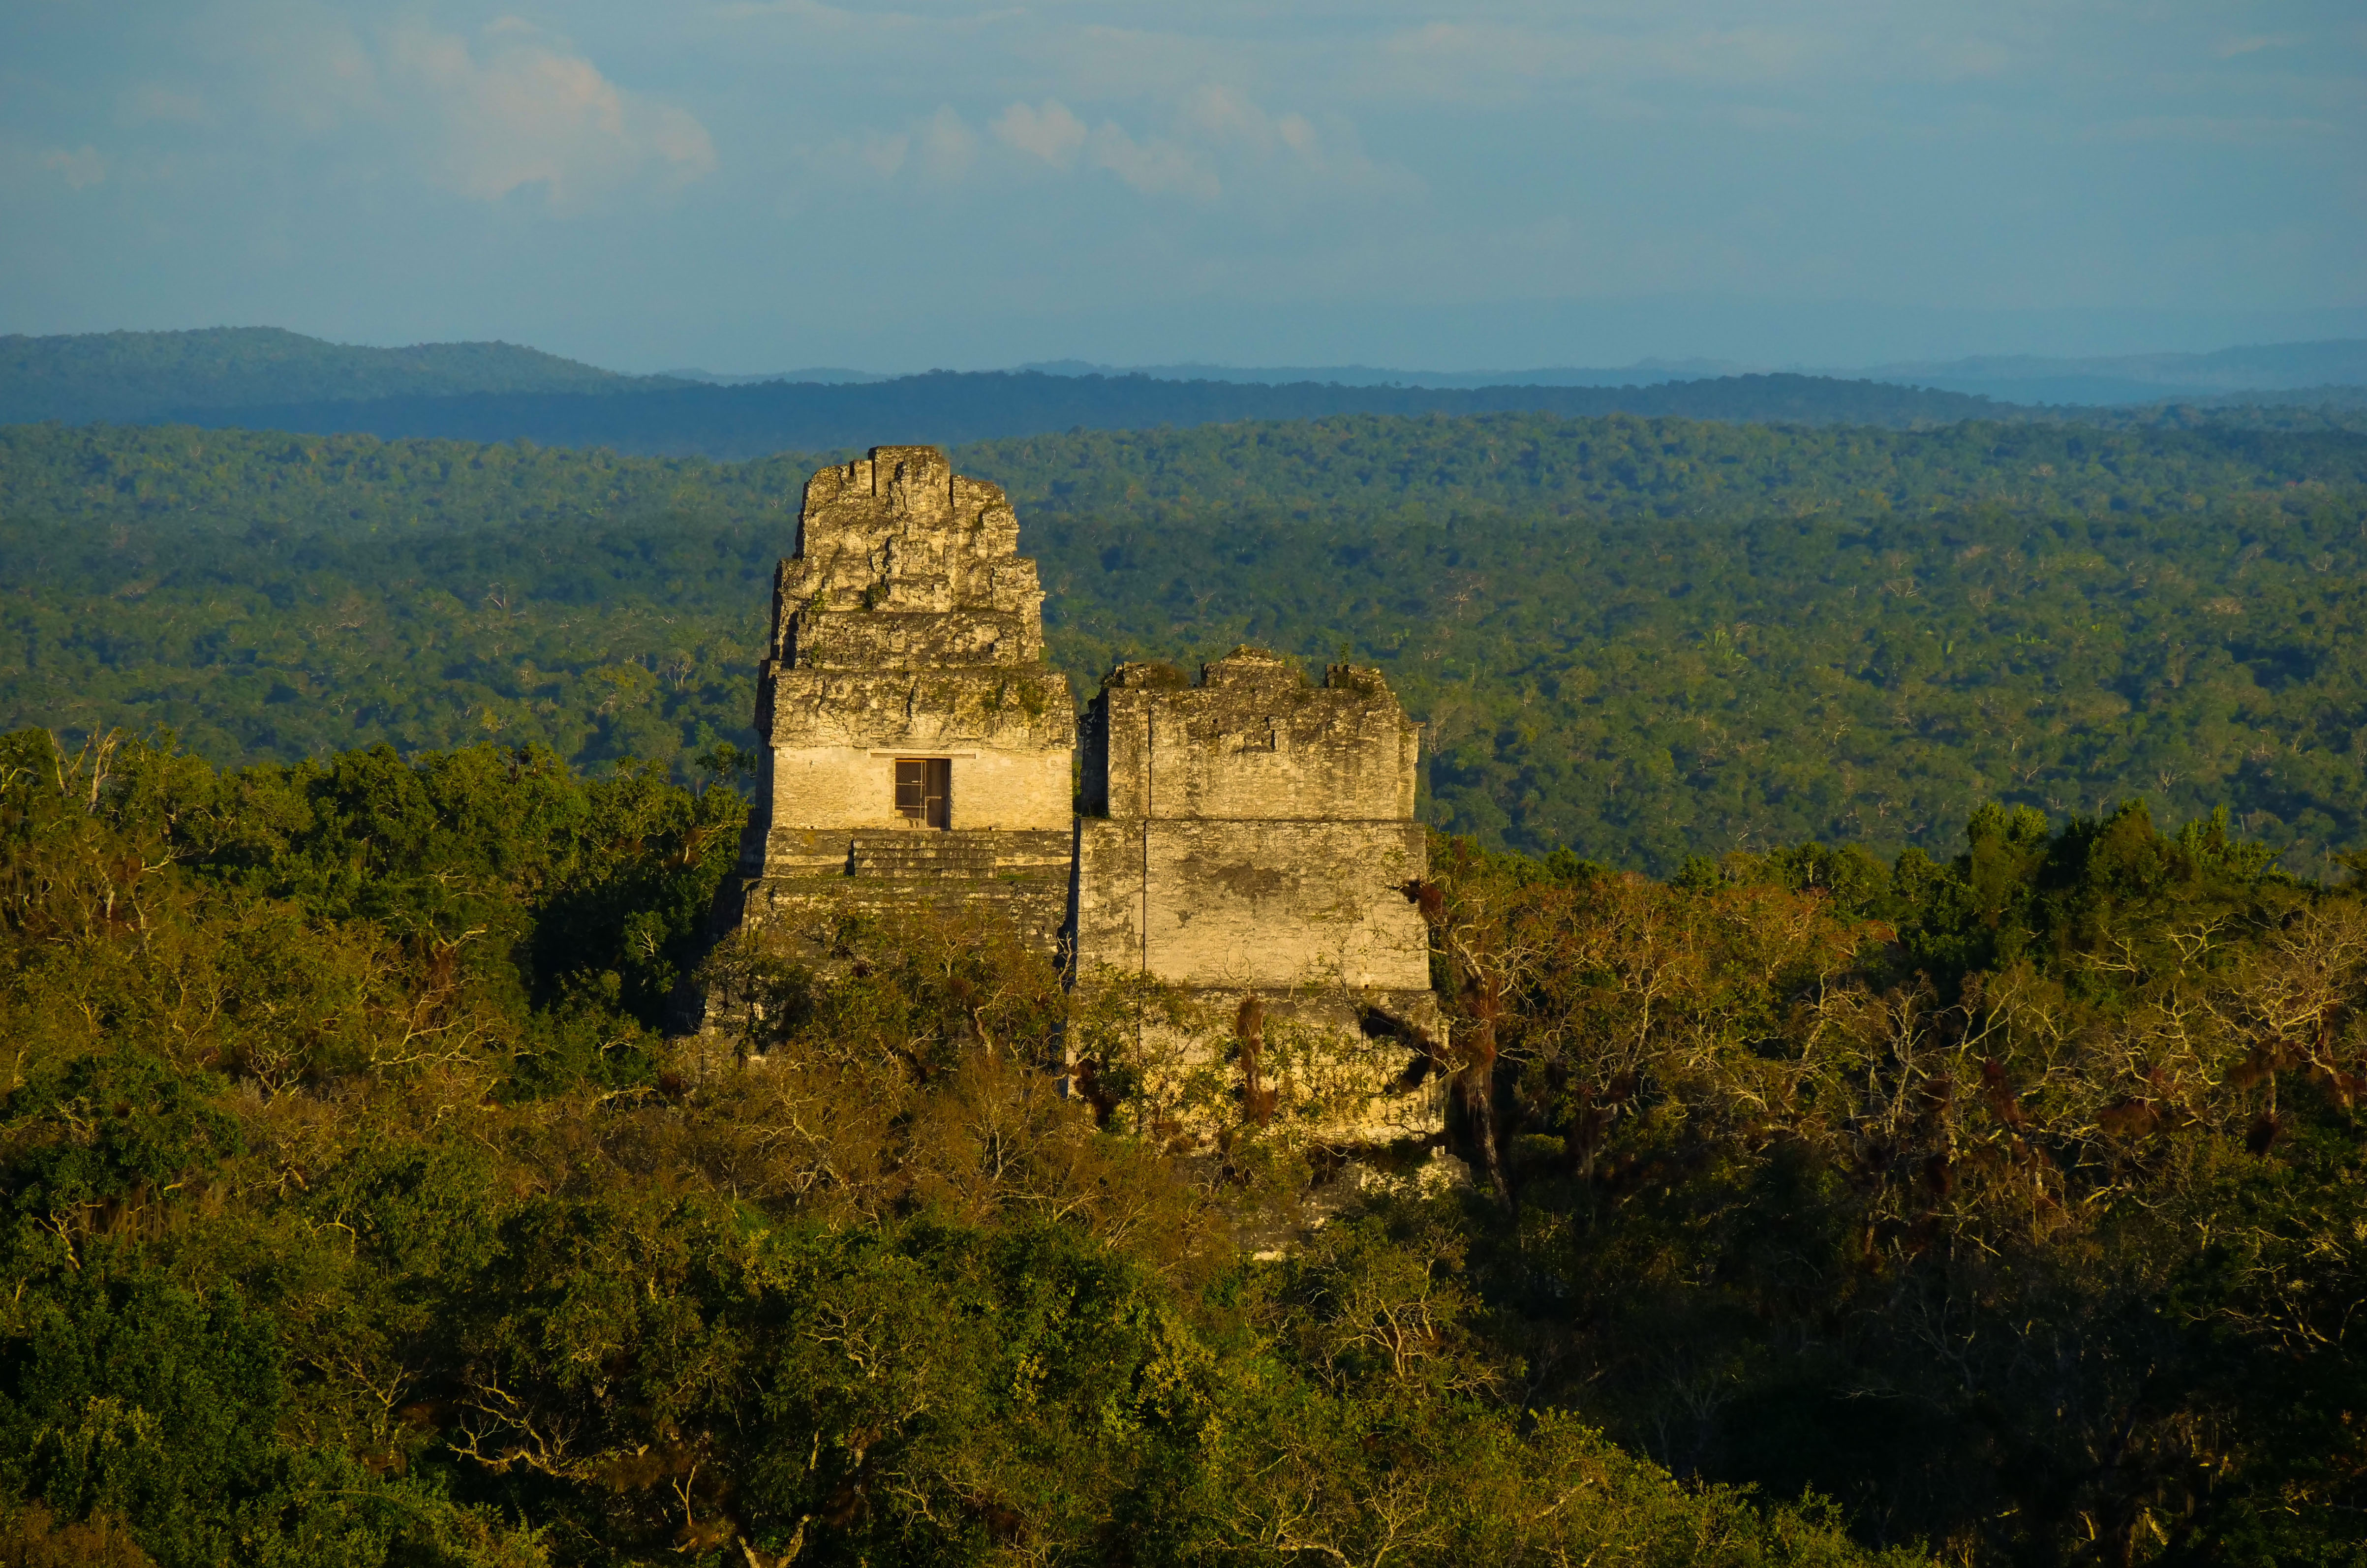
x=924 y=788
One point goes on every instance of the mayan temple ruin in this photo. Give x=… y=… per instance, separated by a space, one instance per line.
x=917 y=752
x=1243 y=844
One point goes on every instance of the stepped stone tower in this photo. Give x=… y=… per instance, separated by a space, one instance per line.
x=917 y=752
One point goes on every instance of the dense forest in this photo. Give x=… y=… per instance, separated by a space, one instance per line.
x=2001 y=1207
x=1640 y=640
x=138 y=375
x=733 y=423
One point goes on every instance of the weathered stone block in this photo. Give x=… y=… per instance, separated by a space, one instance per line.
x=1253 y=906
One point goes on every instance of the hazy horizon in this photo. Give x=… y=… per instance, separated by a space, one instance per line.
x=2292 y=365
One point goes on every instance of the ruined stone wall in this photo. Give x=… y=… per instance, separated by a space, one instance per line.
x=1252 y=829
x=1251 y=835
x=1251 y=741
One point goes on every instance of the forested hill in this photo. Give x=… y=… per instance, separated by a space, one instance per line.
x=138 y=375
x=945 y=407
x=1641 y=639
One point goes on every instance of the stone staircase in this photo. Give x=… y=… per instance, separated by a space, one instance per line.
x=924 y=855
x=1018 y=875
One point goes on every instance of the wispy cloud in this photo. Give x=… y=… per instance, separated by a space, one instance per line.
x=2230 y=48
x=2252 y=131
x=1213 y=124
x=80 y=167
x=1155 y=166
x=1050 y=133
x=150 y=104
x=514 y=109
x=838 y=17
x=938 y=149
x=944 y=146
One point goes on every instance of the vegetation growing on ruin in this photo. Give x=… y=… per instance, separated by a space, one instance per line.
x=357 y=1210
x=1641 y=639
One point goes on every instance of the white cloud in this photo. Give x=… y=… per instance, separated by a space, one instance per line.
x=882 y=154
x=940 y=150
x=944 y=146
x=1051 y=132
x=79 y=166
x=508 y=111
x=517 y=109
x=1215 y=129
x=1224 y=115
x=153 y=104
x=1155 y=167
x=1227 y=119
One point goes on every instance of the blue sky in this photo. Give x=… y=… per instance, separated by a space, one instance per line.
x=761 y=184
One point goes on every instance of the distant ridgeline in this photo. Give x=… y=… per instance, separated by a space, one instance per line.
x=264 y=378
x=142 y=376
x=1640 y=639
